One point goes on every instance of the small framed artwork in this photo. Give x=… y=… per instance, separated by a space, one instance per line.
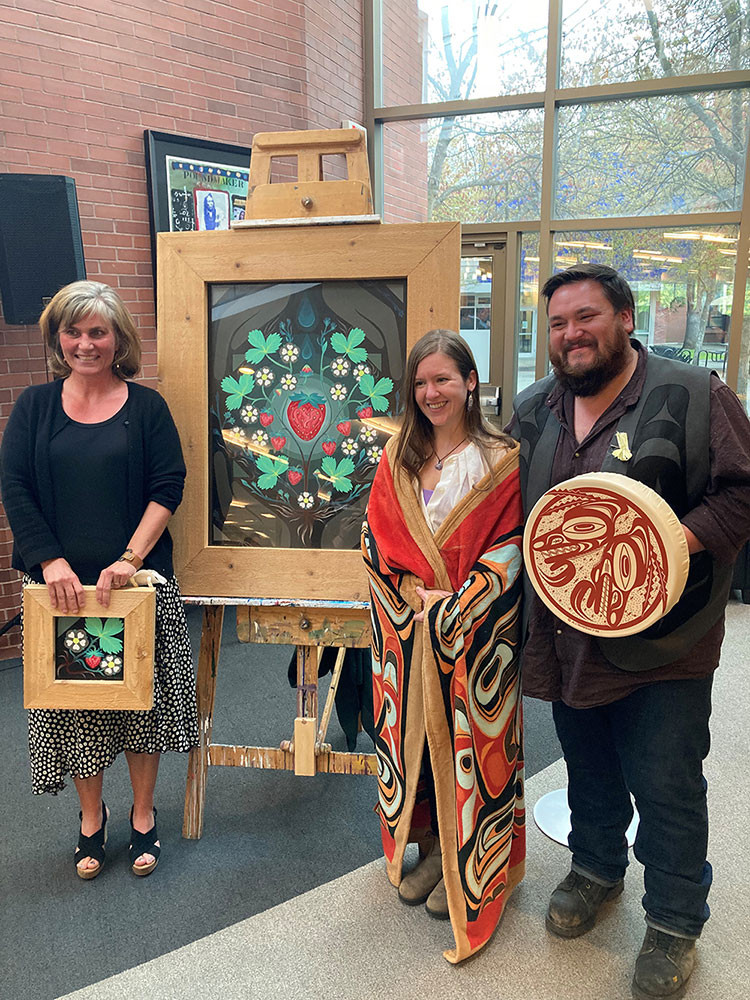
x=282 y=353
x=100 y=659
x=194 y=184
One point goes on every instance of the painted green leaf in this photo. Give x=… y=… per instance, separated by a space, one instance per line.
x=110 y=644
x=261 y=346
x=366 y=385
x=237 y=390
x=112 y=626
x=348 y=345
x=338 y=343
x=268 y=480
x=93 y=626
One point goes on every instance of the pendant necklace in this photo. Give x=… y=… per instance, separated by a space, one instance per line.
x=439 y=463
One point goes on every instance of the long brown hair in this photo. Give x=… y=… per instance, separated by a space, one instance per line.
x=416 y=439
x=86 y=298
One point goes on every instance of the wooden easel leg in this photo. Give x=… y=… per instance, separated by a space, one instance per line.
x=306 y=723
x=195 y=791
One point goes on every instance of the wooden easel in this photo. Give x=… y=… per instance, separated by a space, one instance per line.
x=310 y=196
x=308 y=625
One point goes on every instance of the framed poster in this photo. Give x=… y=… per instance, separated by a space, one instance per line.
x=194 y=184
x=102 y=658
x=281 y=355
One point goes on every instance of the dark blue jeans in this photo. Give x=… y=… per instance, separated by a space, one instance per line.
x=651 y=743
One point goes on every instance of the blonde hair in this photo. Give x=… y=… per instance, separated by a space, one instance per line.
x=415 y=444
x=86 y=298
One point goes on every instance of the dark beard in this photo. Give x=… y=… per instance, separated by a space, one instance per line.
x=591 y=382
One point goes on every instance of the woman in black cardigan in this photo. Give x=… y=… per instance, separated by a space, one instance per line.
x=91 y=471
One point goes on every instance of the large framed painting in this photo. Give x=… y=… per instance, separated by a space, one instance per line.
x=281 y=355
x=194 y=184
x=102 y=658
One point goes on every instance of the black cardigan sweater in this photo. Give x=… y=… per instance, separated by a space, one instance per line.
x=156 y=471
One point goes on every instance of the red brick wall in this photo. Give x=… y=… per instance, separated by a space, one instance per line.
x=81 y=80
x=405 y=152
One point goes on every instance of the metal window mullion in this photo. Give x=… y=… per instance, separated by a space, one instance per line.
x=372 y=25
x=740 y=284
x=549 y=168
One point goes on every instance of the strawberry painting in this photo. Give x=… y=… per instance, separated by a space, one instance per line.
x=306 y=413
x=293 y=429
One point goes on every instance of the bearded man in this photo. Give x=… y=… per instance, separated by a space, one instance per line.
x=632 y=713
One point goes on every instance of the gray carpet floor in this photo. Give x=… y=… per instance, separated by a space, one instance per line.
x=350 y=939
x=269 y=838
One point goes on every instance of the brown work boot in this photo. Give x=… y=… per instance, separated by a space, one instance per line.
x=418 y=884
x=575 y=903
x=663 y=966
x=437 y=902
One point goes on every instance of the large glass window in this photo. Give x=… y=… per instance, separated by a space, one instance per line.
x=652 y=156
x=682 y=281
x=476 y=168
x=439 y=51
x=608 y=41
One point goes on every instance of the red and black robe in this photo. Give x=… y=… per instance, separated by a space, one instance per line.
x=455 y=679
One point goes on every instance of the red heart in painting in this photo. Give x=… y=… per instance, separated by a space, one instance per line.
x=278 y=443
x=365 y=412
x=266 y=419
x=293 y=476
x=306 y=415
x=93 y=661
x=329 y=447
x=345 y=426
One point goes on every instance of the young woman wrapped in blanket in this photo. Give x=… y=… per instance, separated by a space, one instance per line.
x=442 y=544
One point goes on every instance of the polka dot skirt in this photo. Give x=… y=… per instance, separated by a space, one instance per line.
x=81 y=743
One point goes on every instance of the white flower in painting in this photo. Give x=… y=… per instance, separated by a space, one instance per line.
x=373 y=454
x=340 y=366
x=360 y=370
x=260 y=438
x=349 y=446
x=111 y=665
x=368 y=434
x=289 y=353
x=264 y=376
x=288 y=382
x=338 y=392
x=249 y=414
x=76 y=640
x=306 y=500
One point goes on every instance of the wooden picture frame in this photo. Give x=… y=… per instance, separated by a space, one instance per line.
x=134 y=690
x=424 y=256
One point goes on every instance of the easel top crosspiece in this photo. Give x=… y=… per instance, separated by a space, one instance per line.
x=309 y=625
x=310 y=199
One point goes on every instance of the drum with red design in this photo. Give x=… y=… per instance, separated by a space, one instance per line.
x=606 y=554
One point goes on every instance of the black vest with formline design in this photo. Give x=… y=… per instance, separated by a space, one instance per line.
x=668 y=435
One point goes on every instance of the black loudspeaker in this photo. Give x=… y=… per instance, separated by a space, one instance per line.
x=40 y=242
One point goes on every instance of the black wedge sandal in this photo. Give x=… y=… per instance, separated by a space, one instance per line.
x=143 y=843
x=91 y=847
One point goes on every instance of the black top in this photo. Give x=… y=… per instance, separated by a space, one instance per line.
x=89 y=465
x=155 y=471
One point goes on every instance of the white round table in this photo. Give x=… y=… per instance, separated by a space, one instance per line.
x=552 y=816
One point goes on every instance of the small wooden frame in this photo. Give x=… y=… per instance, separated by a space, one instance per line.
x=310 y=195
x=133 y=690
x=309 y=625
x=424 y=257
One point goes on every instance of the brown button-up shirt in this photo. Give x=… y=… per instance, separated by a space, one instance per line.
x=561 y=663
